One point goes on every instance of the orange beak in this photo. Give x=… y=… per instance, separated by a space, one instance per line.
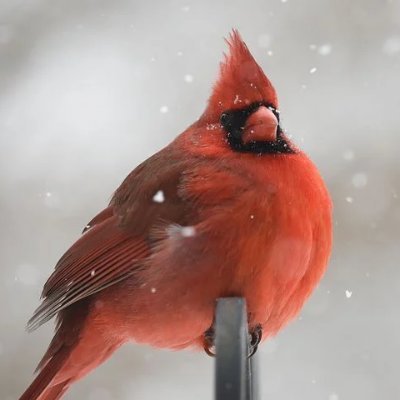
x=261 y=126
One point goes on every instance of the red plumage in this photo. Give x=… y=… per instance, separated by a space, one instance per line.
x=210 y=215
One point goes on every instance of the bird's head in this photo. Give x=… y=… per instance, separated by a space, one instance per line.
x=245 y=105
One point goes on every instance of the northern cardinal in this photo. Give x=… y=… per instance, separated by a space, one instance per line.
x=230 y=208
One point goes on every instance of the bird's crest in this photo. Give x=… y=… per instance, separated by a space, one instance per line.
x=241 y=81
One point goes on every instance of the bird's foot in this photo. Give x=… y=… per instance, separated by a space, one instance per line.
x=209 y=342
x=255 y=337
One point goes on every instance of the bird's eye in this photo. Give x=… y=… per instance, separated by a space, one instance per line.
x=224 y=118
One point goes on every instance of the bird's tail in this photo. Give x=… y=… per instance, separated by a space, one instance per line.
x=40 y=388
x=79 y=345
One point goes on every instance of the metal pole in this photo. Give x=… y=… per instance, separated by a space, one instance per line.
x=234 y=377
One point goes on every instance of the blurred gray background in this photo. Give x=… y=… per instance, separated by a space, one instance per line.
x=90 y=88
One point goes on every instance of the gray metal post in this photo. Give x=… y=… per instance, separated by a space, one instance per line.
x=235 y=372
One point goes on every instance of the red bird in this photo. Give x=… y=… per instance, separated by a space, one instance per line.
x=230 y=208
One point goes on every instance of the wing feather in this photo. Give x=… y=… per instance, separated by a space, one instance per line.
x=117 y=242
x=103 y=256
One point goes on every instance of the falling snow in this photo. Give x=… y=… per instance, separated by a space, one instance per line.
x=348 y=293
x=325 y=49
x=159 y=197
x=348 y=155
x=264 y=41
x=50 y=199
x=163 y=109
x=333 y=396
x=153 y=290
x=359 y=180
x=313 y=70
x=237 y=99
x=27 y=274
x=188 y=78
x=211 y=127
x=391 y=46
x=349 y=199
x=188 y=231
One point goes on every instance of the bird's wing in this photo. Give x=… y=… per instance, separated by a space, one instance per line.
x=104 y=255
x=100 y=217
x=118 y=240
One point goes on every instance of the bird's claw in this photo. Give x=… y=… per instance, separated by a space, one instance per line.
x=209 y=342
x=255 y=337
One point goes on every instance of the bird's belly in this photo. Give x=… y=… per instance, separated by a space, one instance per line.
x=167 y=316
x=172 y=305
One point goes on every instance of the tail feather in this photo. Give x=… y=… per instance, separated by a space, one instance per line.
x=79 y=345
x=40 y=388
x=45 y=386
x=55 y=392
